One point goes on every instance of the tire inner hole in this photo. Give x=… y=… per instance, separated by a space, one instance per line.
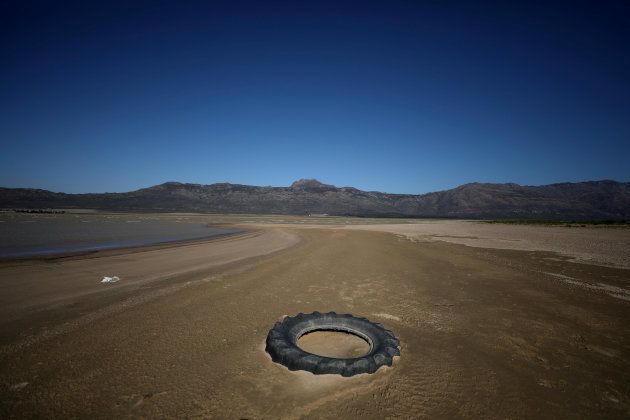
x=337 y=344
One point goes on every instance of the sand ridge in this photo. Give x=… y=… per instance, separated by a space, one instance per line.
x=32 y=285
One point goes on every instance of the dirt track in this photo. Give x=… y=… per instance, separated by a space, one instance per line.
x=484 y=333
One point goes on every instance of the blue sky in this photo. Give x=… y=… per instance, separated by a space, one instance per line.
x=396 y=96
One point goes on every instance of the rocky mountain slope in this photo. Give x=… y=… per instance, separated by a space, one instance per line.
x=566 y=201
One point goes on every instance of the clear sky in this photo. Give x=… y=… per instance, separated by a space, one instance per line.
x=395 y=96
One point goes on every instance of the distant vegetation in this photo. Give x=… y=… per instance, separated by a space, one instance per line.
x=562 y=223
x=39 y=211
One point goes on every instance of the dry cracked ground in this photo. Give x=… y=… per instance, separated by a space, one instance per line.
x=484 y=332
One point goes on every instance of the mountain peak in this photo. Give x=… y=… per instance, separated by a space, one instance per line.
x=311 y=185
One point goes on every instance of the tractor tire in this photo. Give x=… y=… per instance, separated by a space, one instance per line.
x=283 y=337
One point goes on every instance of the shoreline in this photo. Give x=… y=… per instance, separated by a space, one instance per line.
x=128 y=249
x=36 y=286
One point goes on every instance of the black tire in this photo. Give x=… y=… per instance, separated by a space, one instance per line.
x=282 y=344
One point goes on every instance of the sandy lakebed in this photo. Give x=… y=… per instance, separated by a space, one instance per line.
x=494 y=322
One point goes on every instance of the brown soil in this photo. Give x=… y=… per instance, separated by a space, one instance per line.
x=334 y=344
x=484 y=333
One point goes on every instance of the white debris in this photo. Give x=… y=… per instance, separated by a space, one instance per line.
x=19 y=386
x=107 y=279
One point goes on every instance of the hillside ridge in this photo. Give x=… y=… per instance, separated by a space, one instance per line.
x=603 y=199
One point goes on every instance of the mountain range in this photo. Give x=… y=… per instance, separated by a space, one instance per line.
x=592 y=200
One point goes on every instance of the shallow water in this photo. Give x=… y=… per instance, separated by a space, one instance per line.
x=47 y=234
